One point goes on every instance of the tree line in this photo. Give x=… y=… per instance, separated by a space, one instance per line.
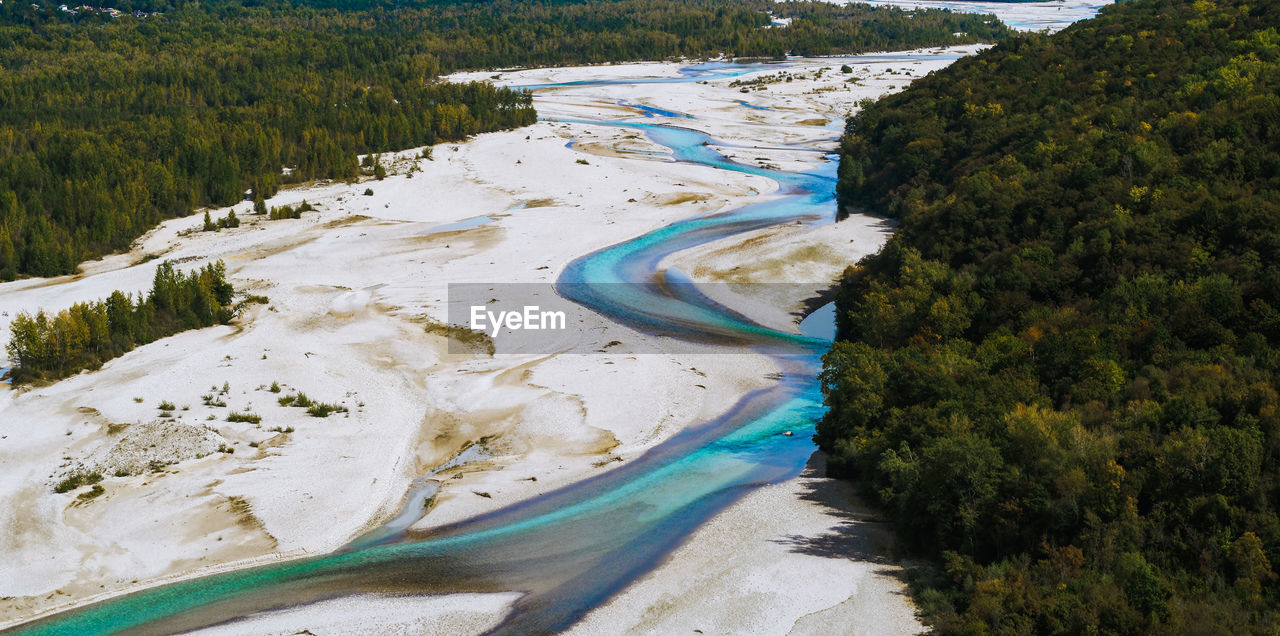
x=52 y=346
x=1061 y=377
x=110 y=125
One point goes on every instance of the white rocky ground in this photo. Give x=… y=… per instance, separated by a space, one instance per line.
x=352 y=288
x=800 y=557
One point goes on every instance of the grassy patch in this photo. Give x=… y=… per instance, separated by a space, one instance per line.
x=91 y=493
x=314 y=408
x=76 y=480
x=321 y=409
x=251 y=299
x=238 y=416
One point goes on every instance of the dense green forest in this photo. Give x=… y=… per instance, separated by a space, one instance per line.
x=1060 y=377
x=109 y=125
x=45 y=347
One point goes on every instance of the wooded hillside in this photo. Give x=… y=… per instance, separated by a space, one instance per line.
x=1060 y=378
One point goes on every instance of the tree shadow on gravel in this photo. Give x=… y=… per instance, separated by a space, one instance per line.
x=859 y=534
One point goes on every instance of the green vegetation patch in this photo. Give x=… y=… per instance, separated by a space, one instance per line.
x=242 y=416
x=91 y=493
x=49 y=347
x=314 y=408
x=76 y=480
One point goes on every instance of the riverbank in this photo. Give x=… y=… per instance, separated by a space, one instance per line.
x=352 y=290
x=801 y=557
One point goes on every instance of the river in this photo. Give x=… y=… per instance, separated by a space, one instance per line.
x=572 y=549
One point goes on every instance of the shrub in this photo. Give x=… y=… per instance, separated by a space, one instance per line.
x=322 y=409
x=314 y=408
x=91 y=493
x=229 y=221
x=286 y=212
x=76 y=480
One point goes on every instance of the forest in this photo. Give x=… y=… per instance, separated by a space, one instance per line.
x=110 y=125
x=49 y=347
x=1061 y=377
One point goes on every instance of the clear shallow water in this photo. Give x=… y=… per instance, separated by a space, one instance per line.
x=655 y=302
x=653 y=111
x=421 y=492
x=457 y=226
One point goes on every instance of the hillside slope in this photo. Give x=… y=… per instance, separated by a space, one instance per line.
x=1060 y=376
